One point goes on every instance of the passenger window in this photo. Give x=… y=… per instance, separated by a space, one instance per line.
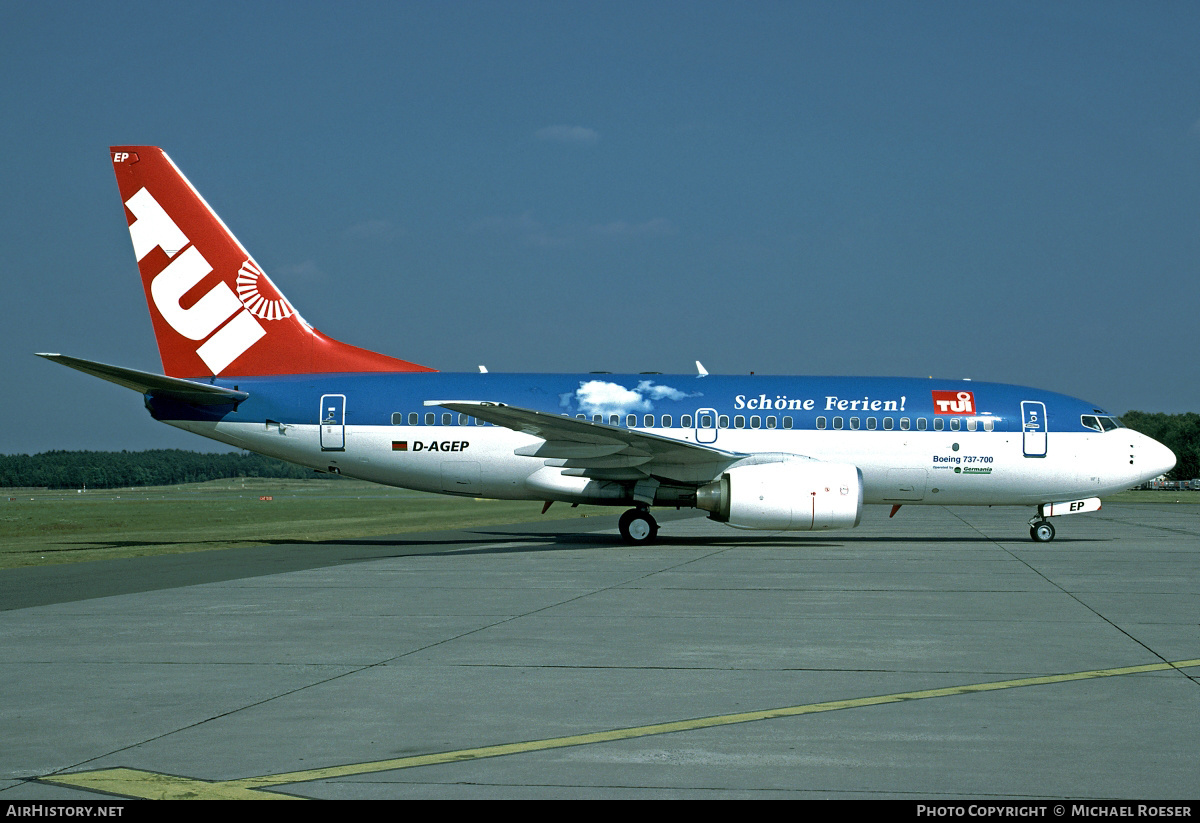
x=922 y=424
x=631 y=420
x=430 y=419
x=904 y=425
x=756 y=422
x=854 y=422
x=462 y=420
x=723 y=421
x=648 y=421
x=706 y=421
x=938 y=424
x=955 y=424
x=872 y=424
x=972 y=424
x=837 y=422
x=888 y=423
x=989 y=424
x=685 y=420
x=820 y=422
x=413 y=418
x=447 y=419
x=787 y=422
x=598 y=418
x=397 y=418
x=666 y=421
x=771 y=422
x=739 y=422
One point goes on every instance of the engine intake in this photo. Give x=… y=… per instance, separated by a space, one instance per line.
x=787 y=496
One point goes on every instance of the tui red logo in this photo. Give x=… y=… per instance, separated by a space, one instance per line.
x=953 y=402
x=204 y=320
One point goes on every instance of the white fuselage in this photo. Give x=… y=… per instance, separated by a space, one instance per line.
x=908 y=467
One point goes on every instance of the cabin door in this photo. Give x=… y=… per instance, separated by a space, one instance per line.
x=1033 y=428
x=333 y=422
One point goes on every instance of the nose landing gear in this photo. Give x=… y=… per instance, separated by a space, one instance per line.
x=1041 y=531
x=1039 y=525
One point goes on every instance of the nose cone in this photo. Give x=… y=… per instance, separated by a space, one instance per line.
x=1163 y=457
x=1151 y=457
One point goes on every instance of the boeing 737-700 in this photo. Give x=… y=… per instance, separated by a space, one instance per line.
x=241 y=366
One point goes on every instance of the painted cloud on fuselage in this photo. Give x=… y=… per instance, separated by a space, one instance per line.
x=605 y=398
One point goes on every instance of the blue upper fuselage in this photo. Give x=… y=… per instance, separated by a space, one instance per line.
x=651 y=399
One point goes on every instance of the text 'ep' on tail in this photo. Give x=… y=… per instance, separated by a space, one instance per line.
x=215 y=311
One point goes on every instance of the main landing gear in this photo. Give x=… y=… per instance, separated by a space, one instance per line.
x=638 y=527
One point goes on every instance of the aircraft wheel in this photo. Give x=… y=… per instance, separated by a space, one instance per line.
x=1042 y=531
x=638 y=527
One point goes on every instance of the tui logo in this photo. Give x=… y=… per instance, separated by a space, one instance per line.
x=951 y=402
x=223 y=324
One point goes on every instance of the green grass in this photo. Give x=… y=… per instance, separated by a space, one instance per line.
x=44 y=527
x=1156 y=496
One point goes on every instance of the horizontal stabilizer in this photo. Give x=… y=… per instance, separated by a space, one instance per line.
x=186 y=391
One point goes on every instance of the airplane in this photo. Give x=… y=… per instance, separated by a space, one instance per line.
x=774 y=453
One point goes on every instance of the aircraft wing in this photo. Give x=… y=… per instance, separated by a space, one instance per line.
x=176 y=388
x=598 y=450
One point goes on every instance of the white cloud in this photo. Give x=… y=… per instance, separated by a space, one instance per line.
x=573 y=135
x=306 y=272
x=372 y=230
x=599 y=397
x=662 y=392
x=606 y=398
x=528 y=229
x=533 y=232
x=656 y=227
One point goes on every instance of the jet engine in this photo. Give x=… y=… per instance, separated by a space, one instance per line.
x=794 y=495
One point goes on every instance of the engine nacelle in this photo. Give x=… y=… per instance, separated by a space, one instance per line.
x=788 y=496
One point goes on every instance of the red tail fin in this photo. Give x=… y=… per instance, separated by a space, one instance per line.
x=215 y=311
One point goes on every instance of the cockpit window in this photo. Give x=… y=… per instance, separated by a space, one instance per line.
x=1100 y=423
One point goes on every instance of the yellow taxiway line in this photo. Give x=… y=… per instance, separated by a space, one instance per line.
x=151 y=785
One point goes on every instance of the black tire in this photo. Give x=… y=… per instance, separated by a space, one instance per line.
x=638 y=527
x=1042 y=532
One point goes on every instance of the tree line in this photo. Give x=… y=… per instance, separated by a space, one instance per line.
x=155 y=467
x=167 y=467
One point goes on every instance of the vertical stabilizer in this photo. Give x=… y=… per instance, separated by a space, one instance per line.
x=215 y=311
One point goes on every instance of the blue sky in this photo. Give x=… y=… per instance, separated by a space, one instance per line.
x=1005 y=192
